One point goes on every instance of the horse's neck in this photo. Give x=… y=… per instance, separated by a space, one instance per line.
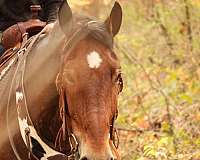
x=43 y=64
x=45 y=55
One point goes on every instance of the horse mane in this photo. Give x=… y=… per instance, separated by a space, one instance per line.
x=95 y=29
x=99 y=32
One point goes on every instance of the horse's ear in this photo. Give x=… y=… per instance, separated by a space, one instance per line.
x=114 y=21
x=65 y=17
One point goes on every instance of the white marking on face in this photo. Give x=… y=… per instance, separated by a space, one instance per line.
x=94 y=60
x=23 y=124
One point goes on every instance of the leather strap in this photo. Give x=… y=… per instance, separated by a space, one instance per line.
x=18 y=79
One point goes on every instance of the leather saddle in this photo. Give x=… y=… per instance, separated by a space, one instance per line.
x=13 y=37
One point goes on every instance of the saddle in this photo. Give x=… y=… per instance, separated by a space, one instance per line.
x=14 y=36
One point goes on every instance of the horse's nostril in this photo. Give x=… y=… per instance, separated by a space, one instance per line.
x=84 y=158
x=113 y=158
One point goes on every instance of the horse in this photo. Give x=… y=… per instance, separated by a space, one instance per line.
x=59 y=97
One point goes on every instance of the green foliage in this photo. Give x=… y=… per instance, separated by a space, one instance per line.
x=161 y=72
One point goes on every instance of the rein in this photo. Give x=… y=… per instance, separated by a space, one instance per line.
x=66 y=129
x=19 y=88
x=26 y=127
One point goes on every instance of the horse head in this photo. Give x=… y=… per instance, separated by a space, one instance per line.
x=89 y=82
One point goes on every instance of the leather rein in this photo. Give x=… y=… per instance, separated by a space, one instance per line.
x=17 y=84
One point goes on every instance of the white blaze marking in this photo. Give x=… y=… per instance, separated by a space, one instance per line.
x=94 y=60
x=33 y=133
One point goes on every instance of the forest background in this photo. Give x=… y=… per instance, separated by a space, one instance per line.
x=159 y=50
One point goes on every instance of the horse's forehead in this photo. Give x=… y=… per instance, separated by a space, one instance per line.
x=91 y=55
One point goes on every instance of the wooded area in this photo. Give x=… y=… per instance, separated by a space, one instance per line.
x=159 y=49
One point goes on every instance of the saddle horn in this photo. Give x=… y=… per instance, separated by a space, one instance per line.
x=65 y=17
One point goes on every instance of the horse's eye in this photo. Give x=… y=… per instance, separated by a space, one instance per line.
x=119 y=81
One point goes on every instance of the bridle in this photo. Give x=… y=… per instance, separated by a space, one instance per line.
x=65 y=133
x=66 y=128
x=114 y=137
